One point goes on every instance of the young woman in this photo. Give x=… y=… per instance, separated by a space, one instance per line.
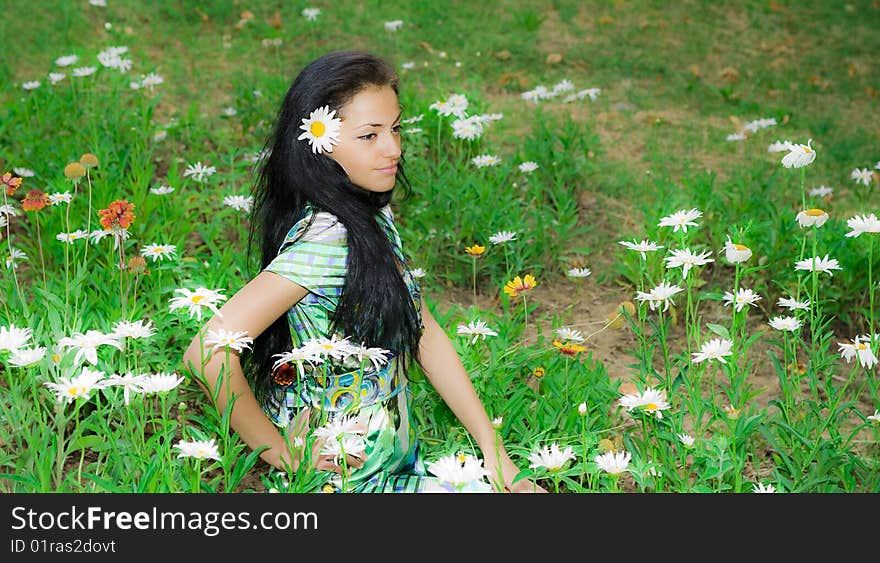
x=335 y=284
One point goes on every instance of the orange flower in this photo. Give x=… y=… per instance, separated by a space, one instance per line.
x=518 y=285
x=476 y=250
x=569 y=348
x=35 y=200
x=10 y=184
x=118 y=216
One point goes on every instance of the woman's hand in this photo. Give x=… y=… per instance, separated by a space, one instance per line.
x=509 y=471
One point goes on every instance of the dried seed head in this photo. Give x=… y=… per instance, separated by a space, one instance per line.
x=74 y=171
x=88 y=160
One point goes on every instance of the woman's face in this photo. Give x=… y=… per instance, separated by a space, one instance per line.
x=369 y=139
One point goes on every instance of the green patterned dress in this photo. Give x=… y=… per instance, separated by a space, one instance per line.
x=314 y=257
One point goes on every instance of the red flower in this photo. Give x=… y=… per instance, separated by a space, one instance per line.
x=118 y=215
x=9 y=183
x=35 y=200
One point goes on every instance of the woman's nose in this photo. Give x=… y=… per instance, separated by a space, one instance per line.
x=391 y=146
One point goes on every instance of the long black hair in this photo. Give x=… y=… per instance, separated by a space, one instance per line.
x=375 y=307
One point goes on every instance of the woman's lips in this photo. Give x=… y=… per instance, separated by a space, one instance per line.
x=389 y=170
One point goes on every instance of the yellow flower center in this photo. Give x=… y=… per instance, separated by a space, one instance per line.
x=740 y=247
x=651 y=407
x=814 y=212
x=862 y=346
x=318 y=129
x=808 y=150
x=197 y=298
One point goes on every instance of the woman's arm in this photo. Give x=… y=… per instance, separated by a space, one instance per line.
x=447 y=374
x=253 y=309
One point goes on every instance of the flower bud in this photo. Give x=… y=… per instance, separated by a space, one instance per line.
x=74 y=171
x=88 y=160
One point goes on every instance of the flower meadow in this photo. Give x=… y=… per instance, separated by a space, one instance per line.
x=742 y=297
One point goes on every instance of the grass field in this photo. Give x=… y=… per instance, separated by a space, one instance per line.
x=647 y=109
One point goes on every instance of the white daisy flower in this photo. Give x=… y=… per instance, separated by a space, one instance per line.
x=785 y=323
x=98 y=3
x=458 y=470
x=563 y=86
x=230 y=111
x=861 y=347
x=686 y=439
x=60 y=197
x=24 y=357
x=23 y=172
x=151 y=80
x=393 y=25
x=414 y=119
x=863 y=224
x=239 y=202
x=738 y=136
x=8 y=210
x=579 y=272
x=134 y=329
x=591 y=93
x=582 y=409
x=198 y=171
x=644 y=246
x=485 y=160
x=335 y=348
x=157 y=252
x=742 y=298
x=79 y=72
x=653 y=401
x=613 y=463
x=298 y=356
x=196 y=300
x=468 y=128
x=408 y=65
x=79 y=387
x=821 y=191
x=15 y=256
x=862 y=175
x=378 y=357
x=129 y=382
x=713 y=349
x=799 y=155
x=874 y=417
x=758 y=124
x=12 y=338
x=311 y=14
x=222 y=338
x=159 y=382
x=417 y=273
x=477 y=329
x=339 y=426
x=762 y=488
x=528 y=166
x=352 y=444
x=569 y=334
x=793 y=304
x=502 y=237
x=812 y=217
x=735 y=252
x=66 y=60
x=161 y=190
x=198 y=449
x=817 y=264
x=687 y=259
x=31 y=84
x=87 y=343
x=551 y=457
x=321 y=129
x=681 y=219
x=659 y=295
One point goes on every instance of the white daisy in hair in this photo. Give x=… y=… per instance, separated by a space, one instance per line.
x=321 y=129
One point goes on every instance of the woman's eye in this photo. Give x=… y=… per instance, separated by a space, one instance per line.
x=367 y=137
x=395 y=129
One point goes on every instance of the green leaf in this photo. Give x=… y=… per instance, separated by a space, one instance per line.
x=720 y=330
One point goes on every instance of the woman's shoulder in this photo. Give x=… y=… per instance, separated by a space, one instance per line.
x=316 y=226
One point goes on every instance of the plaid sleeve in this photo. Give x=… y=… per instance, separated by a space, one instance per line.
x=314 y=259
